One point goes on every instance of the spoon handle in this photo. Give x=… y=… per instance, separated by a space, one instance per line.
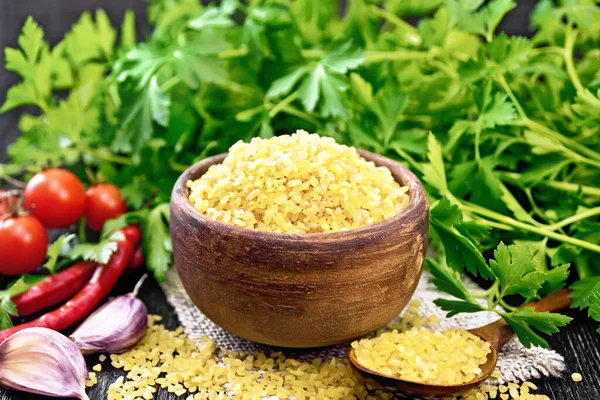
x=553 y=302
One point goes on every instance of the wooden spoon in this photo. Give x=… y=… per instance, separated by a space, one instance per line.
x=497 y=334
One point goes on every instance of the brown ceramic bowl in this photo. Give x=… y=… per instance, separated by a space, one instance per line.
x=295 y=290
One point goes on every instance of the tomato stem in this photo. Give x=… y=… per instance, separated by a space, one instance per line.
x=14 y=200
x=91 y=177
x=13 y=181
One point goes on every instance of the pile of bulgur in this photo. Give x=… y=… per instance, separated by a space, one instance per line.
x=450 y=357
x=299 y=183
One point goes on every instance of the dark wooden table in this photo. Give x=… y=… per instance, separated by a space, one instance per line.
x=579 y=343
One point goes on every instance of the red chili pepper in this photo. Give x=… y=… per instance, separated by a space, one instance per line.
x=138 y=259
x=84 y=302
x=55 y=289
x=132 y=233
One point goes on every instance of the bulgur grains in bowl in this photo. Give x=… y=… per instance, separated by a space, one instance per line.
x=299 y=183
x=443 y=358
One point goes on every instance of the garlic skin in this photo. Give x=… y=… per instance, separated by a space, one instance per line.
x=42 y=361
x=115 y=327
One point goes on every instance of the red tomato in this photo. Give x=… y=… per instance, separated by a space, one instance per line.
x=103 y=202
x=23 y=245
x=56 y=197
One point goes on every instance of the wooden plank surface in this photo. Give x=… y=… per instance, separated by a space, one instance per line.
x=578 y=342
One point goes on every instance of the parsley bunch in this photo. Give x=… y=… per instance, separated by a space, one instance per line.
x=502 y=130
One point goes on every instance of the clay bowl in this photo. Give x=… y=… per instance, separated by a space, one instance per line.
x=294 y=290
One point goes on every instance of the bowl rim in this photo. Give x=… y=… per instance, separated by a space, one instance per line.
x=417 y=206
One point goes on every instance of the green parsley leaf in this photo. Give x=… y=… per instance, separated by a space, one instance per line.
x=582 y=290
x=7 y=308
x=88 y=40
x=582 y=13
x=164 y=13
x=327 y=87
x=508 y=52
x=412 y=141
x=15 y=288
x=113 y=225
x=343 y=57
x=478 y=181
x=525 y=320
x=494 y=110
x=448 y=280
x=458 y=306
x=322 y=83
x=515 y=268
x=156 y=241
x=137 y=67
x=21 y=94
x=139 y=114
x=434 y=173
x=55 y=250
x=565 y=253
x=503 y=54
x=128 y=34
x=284 y=85
x=75 y=117
x=21 y=285
x=62 y=73
x=33 y=62
x=594 y=310
x=364 y=138
x=587 y=105
x=544 y=322
x=542 y=145
x=464 y=14
x=198 y=61
x=213 y=17
x=493 y=13
x=556 y=279
x=460 y=251
x=31 y=40
x=389 y=105
x=99 y=252
x=362 y=90
x=134 y=194
x=446 y=213
x=513 y=204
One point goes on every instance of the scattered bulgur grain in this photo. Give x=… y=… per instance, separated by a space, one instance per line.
x=176 y=363
x=198 y=371
x=91 y=380
x=97 y=367
x=102 y=358
x=410 y=318
x=511 y=391
x=576 y=377
x=450 y=357
x=299 y=183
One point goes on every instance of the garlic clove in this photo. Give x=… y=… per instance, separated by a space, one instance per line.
x=42 y=361
x=114 y=328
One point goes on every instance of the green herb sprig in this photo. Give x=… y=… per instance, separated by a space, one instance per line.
x=502 y=130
